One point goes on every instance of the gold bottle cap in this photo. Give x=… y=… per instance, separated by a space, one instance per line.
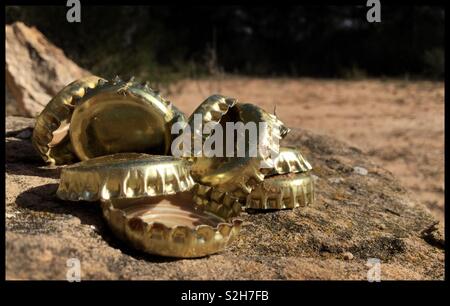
x=219 y=203
x=282 y=191
x=51 y=133
x=234 y=173
x=124 y=175
x=271 y=137
x=122 y=116
x=289 y=160
x=169 y=226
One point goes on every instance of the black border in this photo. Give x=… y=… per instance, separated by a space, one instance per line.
x=169 y=292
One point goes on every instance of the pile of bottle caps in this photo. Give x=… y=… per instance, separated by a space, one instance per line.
x=116 y=139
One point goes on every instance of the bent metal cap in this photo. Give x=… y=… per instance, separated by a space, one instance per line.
x=234 y=173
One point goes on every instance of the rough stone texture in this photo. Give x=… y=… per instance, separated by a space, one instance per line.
x=35 y=70
x=355 y=217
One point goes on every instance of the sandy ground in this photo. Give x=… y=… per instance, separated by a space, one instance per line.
x=399 y=123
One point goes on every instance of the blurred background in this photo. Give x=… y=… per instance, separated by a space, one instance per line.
x=170 y=42
x=377 y=86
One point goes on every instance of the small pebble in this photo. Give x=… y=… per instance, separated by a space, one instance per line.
x=348 y=256
x=336 y=180
x=360 y=170
x=315 y=178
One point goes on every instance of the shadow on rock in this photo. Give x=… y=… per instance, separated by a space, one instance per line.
x=22 y=159
x=252 y=211
x=34 y=170
x=20 y=150
x=24 y=133
x=43 y=199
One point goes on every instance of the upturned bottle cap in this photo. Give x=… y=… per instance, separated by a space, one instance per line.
x=169 y=226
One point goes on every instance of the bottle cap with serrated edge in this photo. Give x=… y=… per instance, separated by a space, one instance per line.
x=124 y=175
x=289 y=160
x=219 y=203
x=122 y=116
x=280 y=192
x=169 y=226
x=234 y=173
x=51 y=132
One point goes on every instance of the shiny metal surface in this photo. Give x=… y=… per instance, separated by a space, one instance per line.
x=169 y=226
x=119 y=117
x=235 y=173
x=51 y=132
x=282 y=192
x=289 y=160
x=124 y=175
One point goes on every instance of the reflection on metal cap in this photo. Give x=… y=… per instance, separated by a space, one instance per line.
x=289 y=160
x=51 y=133
x=213 y=200
x=281 y=192
x=169 y=226
x=122 y=116
x=124 y=175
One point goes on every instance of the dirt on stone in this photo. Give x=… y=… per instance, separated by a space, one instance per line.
x=367 y=216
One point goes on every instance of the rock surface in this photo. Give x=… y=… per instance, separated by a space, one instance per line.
x=357 y=216
x=35 y=70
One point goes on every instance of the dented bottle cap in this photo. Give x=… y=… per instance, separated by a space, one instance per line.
x=282 y=191
x=122 y=116
x=169 y=226
x=51 y=133
x=124 y=175
x=289 y=160
x=234 y=173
